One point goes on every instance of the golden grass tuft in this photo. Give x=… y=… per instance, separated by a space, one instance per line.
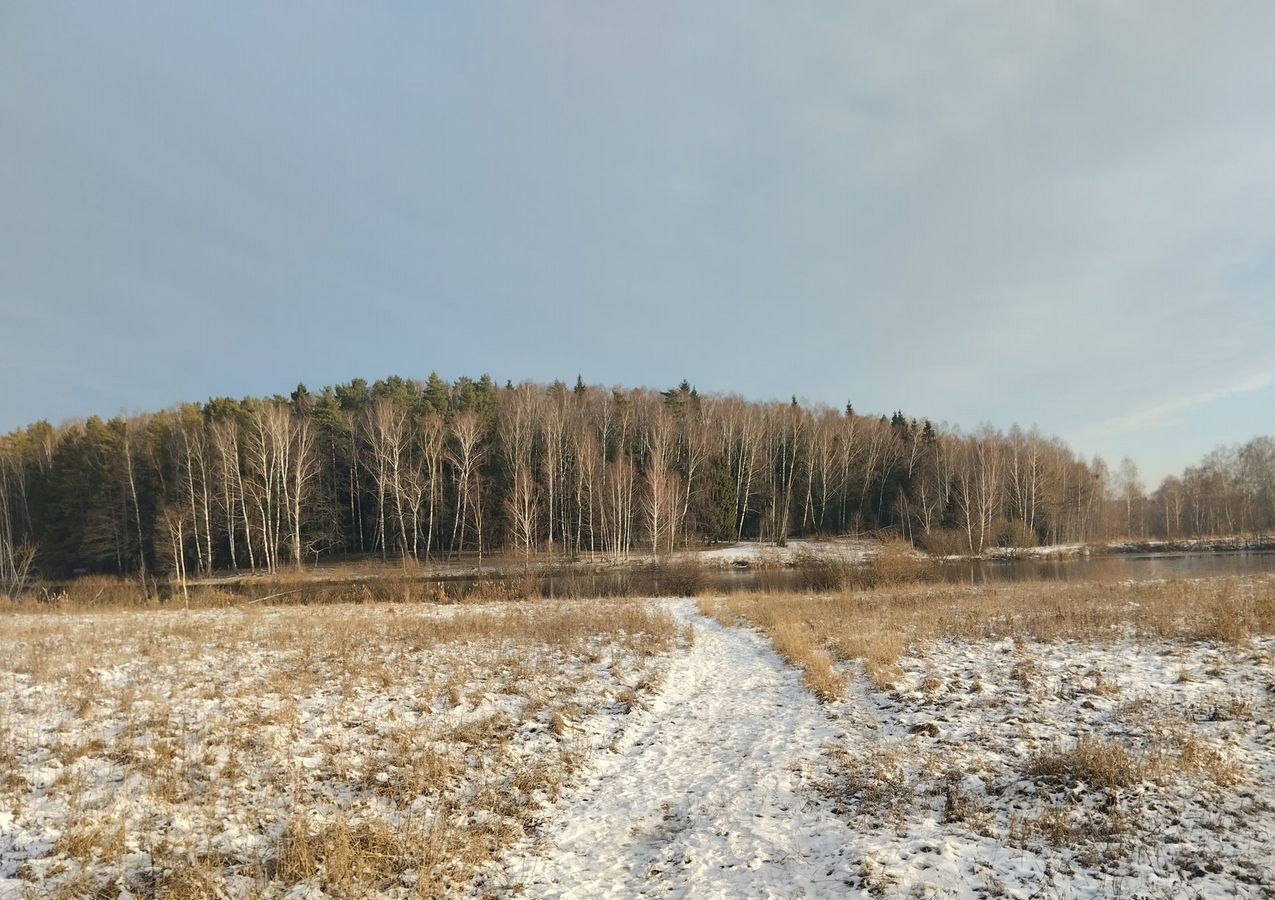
x=1095 y=763
x=345 y=858
x=87 y=841
x=794 y=644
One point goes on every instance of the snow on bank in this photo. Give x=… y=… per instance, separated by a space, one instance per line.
x=1068 y=770
x=710 y=793
x=1195 y=545
x=768 y=556
x=1044 y=551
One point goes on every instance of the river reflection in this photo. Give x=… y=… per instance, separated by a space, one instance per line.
x=974 y=571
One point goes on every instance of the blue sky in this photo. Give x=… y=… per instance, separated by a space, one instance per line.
x=1059 y=214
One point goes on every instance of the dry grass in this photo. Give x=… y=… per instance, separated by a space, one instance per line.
x=359 y=750
x=895 y=562
x=878 y=783
x=794 y=644
x=1087 y=723
x=821 y=572
x=401 y=583
x=676 y=577
x=877 y=626
x=1105 y=765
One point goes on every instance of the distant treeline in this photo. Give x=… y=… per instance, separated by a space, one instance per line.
x=430 y=470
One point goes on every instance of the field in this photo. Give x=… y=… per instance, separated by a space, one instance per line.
x=1034 y=739
x=388 y=750
x=1045 y=739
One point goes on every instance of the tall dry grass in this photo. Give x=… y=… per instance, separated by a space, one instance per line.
x=896 y=562
x=876 y=626
x=399 y=583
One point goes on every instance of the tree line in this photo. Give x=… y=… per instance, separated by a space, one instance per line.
x=431 y=470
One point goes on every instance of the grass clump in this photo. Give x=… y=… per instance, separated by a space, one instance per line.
x=676 y=577
x=821 y=676
x=1092 y=762
x=821 y=572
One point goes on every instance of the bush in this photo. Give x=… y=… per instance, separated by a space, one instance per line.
x=819 y=572
x=683 y=577
x=945 y=542
x=1014 y=533
x=210 y=597
x=101 y=590
x=896 y=563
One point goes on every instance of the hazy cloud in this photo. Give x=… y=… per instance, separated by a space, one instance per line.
x=1038 y=212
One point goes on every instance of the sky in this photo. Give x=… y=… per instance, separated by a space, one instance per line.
x=1059 y=214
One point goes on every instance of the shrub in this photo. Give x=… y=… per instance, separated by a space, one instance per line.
x=818 y=572
x=944 y=542
x=896 y=563
x=680 y=577
x=103 y=591
x=1014 y=533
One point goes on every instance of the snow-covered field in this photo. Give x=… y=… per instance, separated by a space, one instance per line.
x=1046 y=748
x=1021 y=768
x=1043 y=740
x=267 y=752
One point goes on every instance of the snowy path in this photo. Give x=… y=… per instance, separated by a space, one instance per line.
x=709 y=794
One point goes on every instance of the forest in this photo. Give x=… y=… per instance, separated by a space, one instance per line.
x=436 y=470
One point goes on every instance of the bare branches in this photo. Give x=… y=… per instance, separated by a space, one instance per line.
x=382 y=468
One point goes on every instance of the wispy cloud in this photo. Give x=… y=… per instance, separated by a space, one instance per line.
x=1150 y=416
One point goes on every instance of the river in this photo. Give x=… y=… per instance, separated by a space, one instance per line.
x=1115 y=567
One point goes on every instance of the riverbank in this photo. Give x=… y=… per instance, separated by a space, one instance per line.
x=735 y=568
x=744 y=555
x=1226 y=544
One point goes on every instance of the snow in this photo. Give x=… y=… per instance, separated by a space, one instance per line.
x=706 y=772
x=710 y=792
x=759 y=555
x=1042 y=551
x=1188 y=545
x=736 y=783
x=962 y=816
x=203 y=735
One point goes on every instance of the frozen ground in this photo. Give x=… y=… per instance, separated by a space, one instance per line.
x=301 y=752
x=709 y=793
x=1064 y=770
x=1125 y=767
x=615 y=750
x=760 y=555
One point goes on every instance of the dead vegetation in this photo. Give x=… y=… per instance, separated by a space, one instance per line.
x=1094 y=763
x=362 y=751
x=894 y=562
x=1090 y=725
x=673 y=576
x=876 y=626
